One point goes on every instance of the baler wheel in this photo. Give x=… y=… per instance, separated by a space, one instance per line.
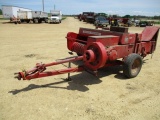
x=132 y=65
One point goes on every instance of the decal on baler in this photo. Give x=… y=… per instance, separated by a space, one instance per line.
x=126 y=39
x=91 y=32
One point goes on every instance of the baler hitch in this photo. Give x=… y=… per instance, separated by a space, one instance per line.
x=39 y=70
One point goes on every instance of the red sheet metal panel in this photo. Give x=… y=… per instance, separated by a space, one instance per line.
x=149 y=32
x=128 y=39
x=123 y=50
x=106 y=40
x=91 y=32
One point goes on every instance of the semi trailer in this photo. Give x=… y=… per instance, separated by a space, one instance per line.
x=35 y=16
x=11 y=12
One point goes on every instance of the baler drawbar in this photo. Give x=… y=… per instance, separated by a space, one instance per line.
x=102 y=48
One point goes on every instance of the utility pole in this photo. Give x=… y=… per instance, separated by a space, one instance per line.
x=43 y=4
x=54 y=7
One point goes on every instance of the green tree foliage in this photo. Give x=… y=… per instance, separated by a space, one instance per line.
x=156 y=17
x=0 y=12
x=127 y=16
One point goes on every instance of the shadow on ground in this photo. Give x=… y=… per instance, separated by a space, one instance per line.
x=78 y=82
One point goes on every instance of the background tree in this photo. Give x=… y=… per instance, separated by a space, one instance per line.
x=0 y=12
x=127 y=16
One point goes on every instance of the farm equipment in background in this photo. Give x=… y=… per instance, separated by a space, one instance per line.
x=114 y=21
x=125 y=22
x=15 y=20
x=101 y=48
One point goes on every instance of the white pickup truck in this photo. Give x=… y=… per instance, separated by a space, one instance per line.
x=56 y=17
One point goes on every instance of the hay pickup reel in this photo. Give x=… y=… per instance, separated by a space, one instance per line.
x=102 y=48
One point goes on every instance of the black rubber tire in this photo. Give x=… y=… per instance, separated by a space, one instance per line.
x=132 y=65
x=35 y=20
x=39 y=21
x=28 y=21
x=46 y=20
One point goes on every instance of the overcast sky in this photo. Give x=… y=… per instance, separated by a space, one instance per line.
x=120 y=7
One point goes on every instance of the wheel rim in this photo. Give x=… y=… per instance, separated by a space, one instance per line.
x=136 y=66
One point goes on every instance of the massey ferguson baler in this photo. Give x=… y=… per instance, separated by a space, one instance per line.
x=102 y=48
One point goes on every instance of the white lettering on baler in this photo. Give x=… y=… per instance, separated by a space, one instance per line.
x=126 y=39
x=91 y=32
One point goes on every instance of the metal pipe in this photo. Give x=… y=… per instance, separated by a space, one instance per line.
x=51 y=73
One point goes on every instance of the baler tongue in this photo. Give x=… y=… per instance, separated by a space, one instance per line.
x=39 y=70
x=93 y=58
x=18 y=76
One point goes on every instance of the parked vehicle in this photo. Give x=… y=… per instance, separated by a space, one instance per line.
x=136 y=22
x=86 y=15
x=11 y=12
x=144 y=24
x=39 y=16
x=79 y=16
x=101 y=21
x=24 y=16
x=101 y=14
x=56 y=16
x=90 y=17
x=35 y=16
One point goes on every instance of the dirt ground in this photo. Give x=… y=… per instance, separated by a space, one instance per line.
x=107 y=97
